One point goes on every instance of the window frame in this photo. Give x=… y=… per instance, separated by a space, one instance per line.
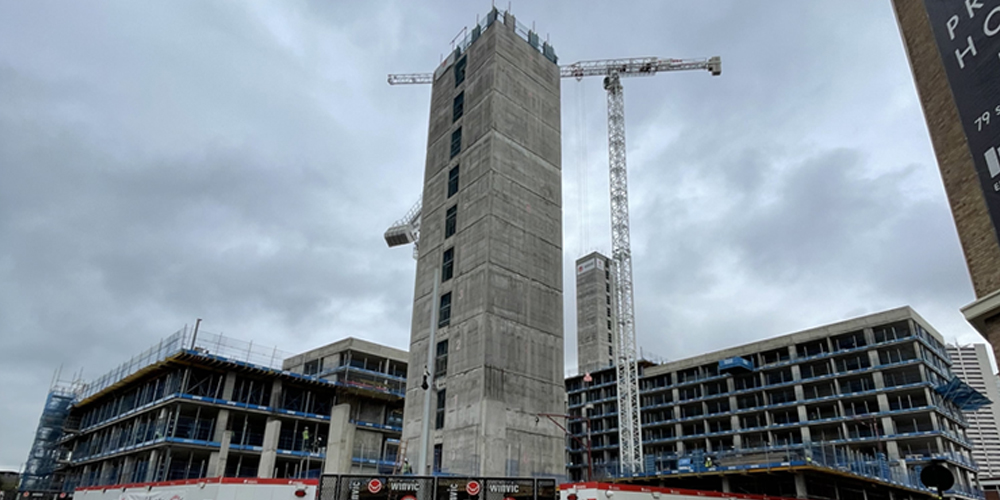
x=450 y=221
x=458 y=106
x=442 y=402
x=453 y=177
x=444 y=310
x=447 y=264
x=456 y=142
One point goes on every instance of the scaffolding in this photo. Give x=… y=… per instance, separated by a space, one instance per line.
x=188 y=339
x=43 y=458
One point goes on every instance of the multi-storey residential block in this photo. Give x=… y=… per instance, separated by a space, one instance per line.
x=196 y=406
x=854 y=401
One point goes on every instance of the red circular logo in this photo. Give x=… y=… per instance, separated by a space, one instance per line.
x=472 y=488
x=374 y=486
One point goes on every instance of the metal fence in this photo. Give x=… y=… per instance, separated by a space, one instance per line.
x=185 y=338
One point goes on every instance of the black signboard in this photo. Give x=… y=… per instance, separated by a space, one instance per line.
x=510 y=489
x=382 y=487
x=458 y=488
x=968 y=38
x=387 y=487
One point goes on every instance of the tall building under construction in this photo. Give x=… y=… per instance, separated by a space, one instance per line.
x=595 y=315
x=491 y=230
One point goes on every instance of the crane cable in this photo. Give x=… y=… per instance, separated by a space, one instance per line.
x=582 y=170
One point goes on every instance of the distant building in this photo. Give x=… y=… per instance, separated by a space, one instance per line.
x=216 y=406
x=972 y=364
x=849 y=410
x=595 y=315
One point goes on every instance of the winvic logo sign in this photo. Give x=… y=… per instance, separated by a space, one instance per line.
x=968 y=36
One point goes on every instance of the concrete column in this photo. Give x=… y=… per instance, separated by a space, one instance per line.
x=806 y=434
x=86 y=476
x=229 y=386
x=800 y=486
x=272 y=430
x=874 y=361
x=217 y=459
x=725 y=484
x=105 y=470
x=870 y=335
x=275 y=401
x=221 y=424
x=127 y=469
x=154 y=456
x=340 y=441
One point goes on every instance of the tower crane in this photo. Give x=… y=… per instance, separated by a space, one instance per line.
x=629 y=422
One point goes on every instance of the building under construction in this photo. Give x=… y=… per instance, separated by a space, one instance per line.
x=198 y=406
x=850 y=410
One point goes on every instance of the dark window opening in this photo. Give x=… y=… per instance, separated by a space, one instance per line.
x=458 y=107
x=456 y=142
x=441 y=359
x=313 y=367
x=450 y=221
x=439 y=416
x=437 y=457
x=460 y=71
x=444 y=311
x=453 y=181
x=448 y=264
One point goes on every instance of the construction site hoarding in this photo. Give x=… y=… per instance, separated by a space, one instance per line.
x=388 y=487
x=967 y=33
x=205 y=489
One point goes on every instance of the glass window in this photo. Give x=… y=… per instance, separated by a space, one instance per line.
x=439 y=417
x=456 y=142
x=450 y=221
x=458 y=106
x=444 y=310
x=453 y=181
x=441 y=359
x=448 y=264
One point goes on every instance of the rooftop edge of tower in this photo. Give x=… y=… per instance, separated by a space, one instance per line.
x=494 y=17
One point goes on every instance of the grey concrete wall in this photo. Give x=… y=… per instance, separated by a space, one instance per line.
x=505 y=360
x=592 y=317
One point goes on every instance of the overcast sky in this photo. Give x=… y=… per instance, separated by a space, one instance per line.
x=239 y=162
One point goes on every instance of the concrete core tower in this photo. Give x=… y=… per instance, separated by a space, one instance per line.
x=492 y=224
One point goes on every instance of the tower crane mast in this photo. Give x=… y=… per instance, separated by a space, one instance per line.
x=629 y=422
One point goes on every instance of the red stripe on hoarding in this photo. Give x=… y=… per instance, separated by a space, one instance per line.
x=210 y=480
x=669 y=491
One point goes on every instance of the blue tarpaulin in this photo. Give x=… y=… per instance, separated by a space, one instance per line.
x=965 y=397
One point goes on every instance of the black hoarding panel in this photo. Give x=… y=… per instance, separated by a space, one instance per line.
x=546 y=490
x=328 y=487
x=510 y=489
x=382 y=487
x=968 y=37
x=458 y=488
